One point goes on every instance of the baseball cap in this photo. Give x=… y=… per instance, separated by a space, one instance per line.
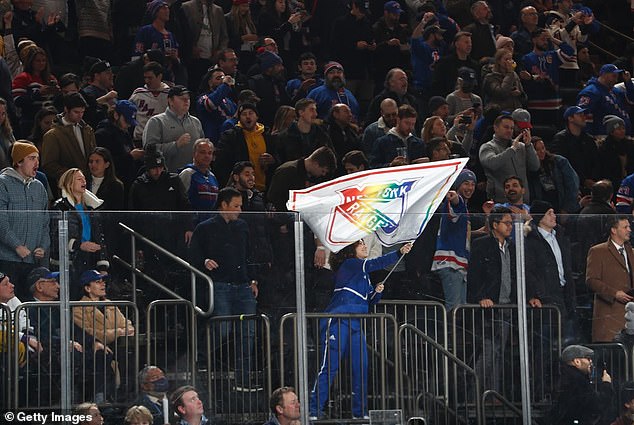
x=91 y=276
x=128 y=110
x=177 y=91
x=40 y=273
x=392 y=7
x=99 y=66
x=572 y=352
x=573 y=110
x=609 y=68
x=522 y=118
x=248 y=96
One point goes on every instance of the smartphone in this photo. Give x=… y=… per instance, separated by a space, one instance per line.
x=466 y=119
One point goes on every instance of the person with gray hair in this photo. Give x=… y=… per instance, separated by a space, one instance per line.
x=578 y=401
x=153 y=387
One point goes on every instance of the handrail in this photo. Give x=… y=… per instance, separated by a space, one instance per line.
x=607 y=27
x=506 y=403
x=442 y=350
x=193 y=271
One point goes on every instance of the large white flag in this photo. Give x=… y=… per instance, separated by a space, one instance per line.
x=396 y=203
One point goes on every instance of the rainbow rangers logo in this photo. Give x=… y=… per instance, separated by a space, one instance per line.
x=370 y=208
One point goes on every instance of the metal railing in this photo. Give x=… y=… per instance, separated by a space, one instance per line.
x=193 y=272
x=378 y=335
x=171 y=339
x=6 y=330
x=104 y=368
x=487 y=339
x=238 y=368
x=424 y=389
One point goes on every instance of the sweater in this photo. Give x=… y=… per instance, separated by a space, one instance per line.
x=453 y=243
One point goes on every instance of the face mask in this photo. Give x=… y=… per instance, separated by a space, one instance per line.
x=161 y=385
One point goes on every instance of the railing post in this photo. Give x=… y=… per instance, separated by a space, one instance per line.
x=300 y=285
x=522 y=319
x=64 y=315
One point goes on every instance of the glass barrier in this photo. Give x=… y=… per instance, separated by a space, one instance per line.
x=210 y=301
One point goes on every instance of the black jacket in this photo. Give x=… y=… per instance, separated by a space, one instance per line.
x=484 y=275
x=578 y=400
x=581 y=151
x=374 y=109
x=233 y=148
x=292 y=144
x=542 y=274
x=120 y=144
x=272 y=93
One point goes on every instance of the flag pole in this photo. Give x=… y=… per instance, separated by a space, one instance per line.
x=394 y=266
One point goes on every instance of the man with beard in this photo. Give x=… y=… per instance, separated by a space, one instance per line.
x=579 y=401
x=343 y=133
x=391 y=38
x=333 y=91
x=299 y=87
x=247 y=141
x=396 y=88
x=514 y=193
x=215 y=105
x=379 y=128
x=541 y=76
x=270 y=86
x=446 y=69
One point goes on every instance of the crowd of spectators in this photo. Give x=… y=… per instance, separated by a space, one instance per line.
x=112 y=105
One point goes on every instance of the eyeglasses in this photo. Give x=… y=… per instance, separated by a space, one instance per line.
x=507 y=223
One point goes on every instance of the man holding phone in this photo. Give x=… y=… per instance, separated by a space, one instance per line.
x=578 y=401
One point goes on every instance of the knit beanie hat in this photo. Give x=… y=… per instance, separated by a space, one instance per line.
x=503 y=41
x=465 y=175
x=21 y=149
x=629 y=318
x=612 y=122
x=539 y=209
x=154 y=6
x=268 y=60
x=153 y=157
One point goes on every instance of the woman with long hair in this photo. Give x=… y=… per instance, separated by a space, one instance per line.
x=284 y=116
x=86 y=243
x=434 y=126
x=7 y=139
x=555 y=181
x=103 y=181
x=242 y=32
x=342 y=338
x=277 y=21
x=43 y=122
x=34 y=87
x=502 y=85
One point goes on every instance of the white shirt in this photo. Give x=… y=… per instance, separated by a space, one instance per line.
x=551 y=238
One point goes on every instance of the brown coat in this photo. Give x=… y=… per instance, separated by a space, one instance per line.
x=606 y=273
x=60 y=150
x=104 y=328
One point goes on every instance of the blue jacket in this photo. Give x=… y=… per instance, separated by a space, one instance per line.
x=423 y=58
x=625 y=195
x=327 y=97
x=213 y=109
x=385 y=149
x=600 y=101
x=24 y=228
x=353 y=290
x=452 y=244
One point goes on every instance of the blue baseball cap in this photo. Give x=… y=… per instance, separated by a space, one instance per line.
x=128 y=110
x=392 y=7
x=609 y=68
x=92 y=276
x=40 y=273
x=573 y=110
